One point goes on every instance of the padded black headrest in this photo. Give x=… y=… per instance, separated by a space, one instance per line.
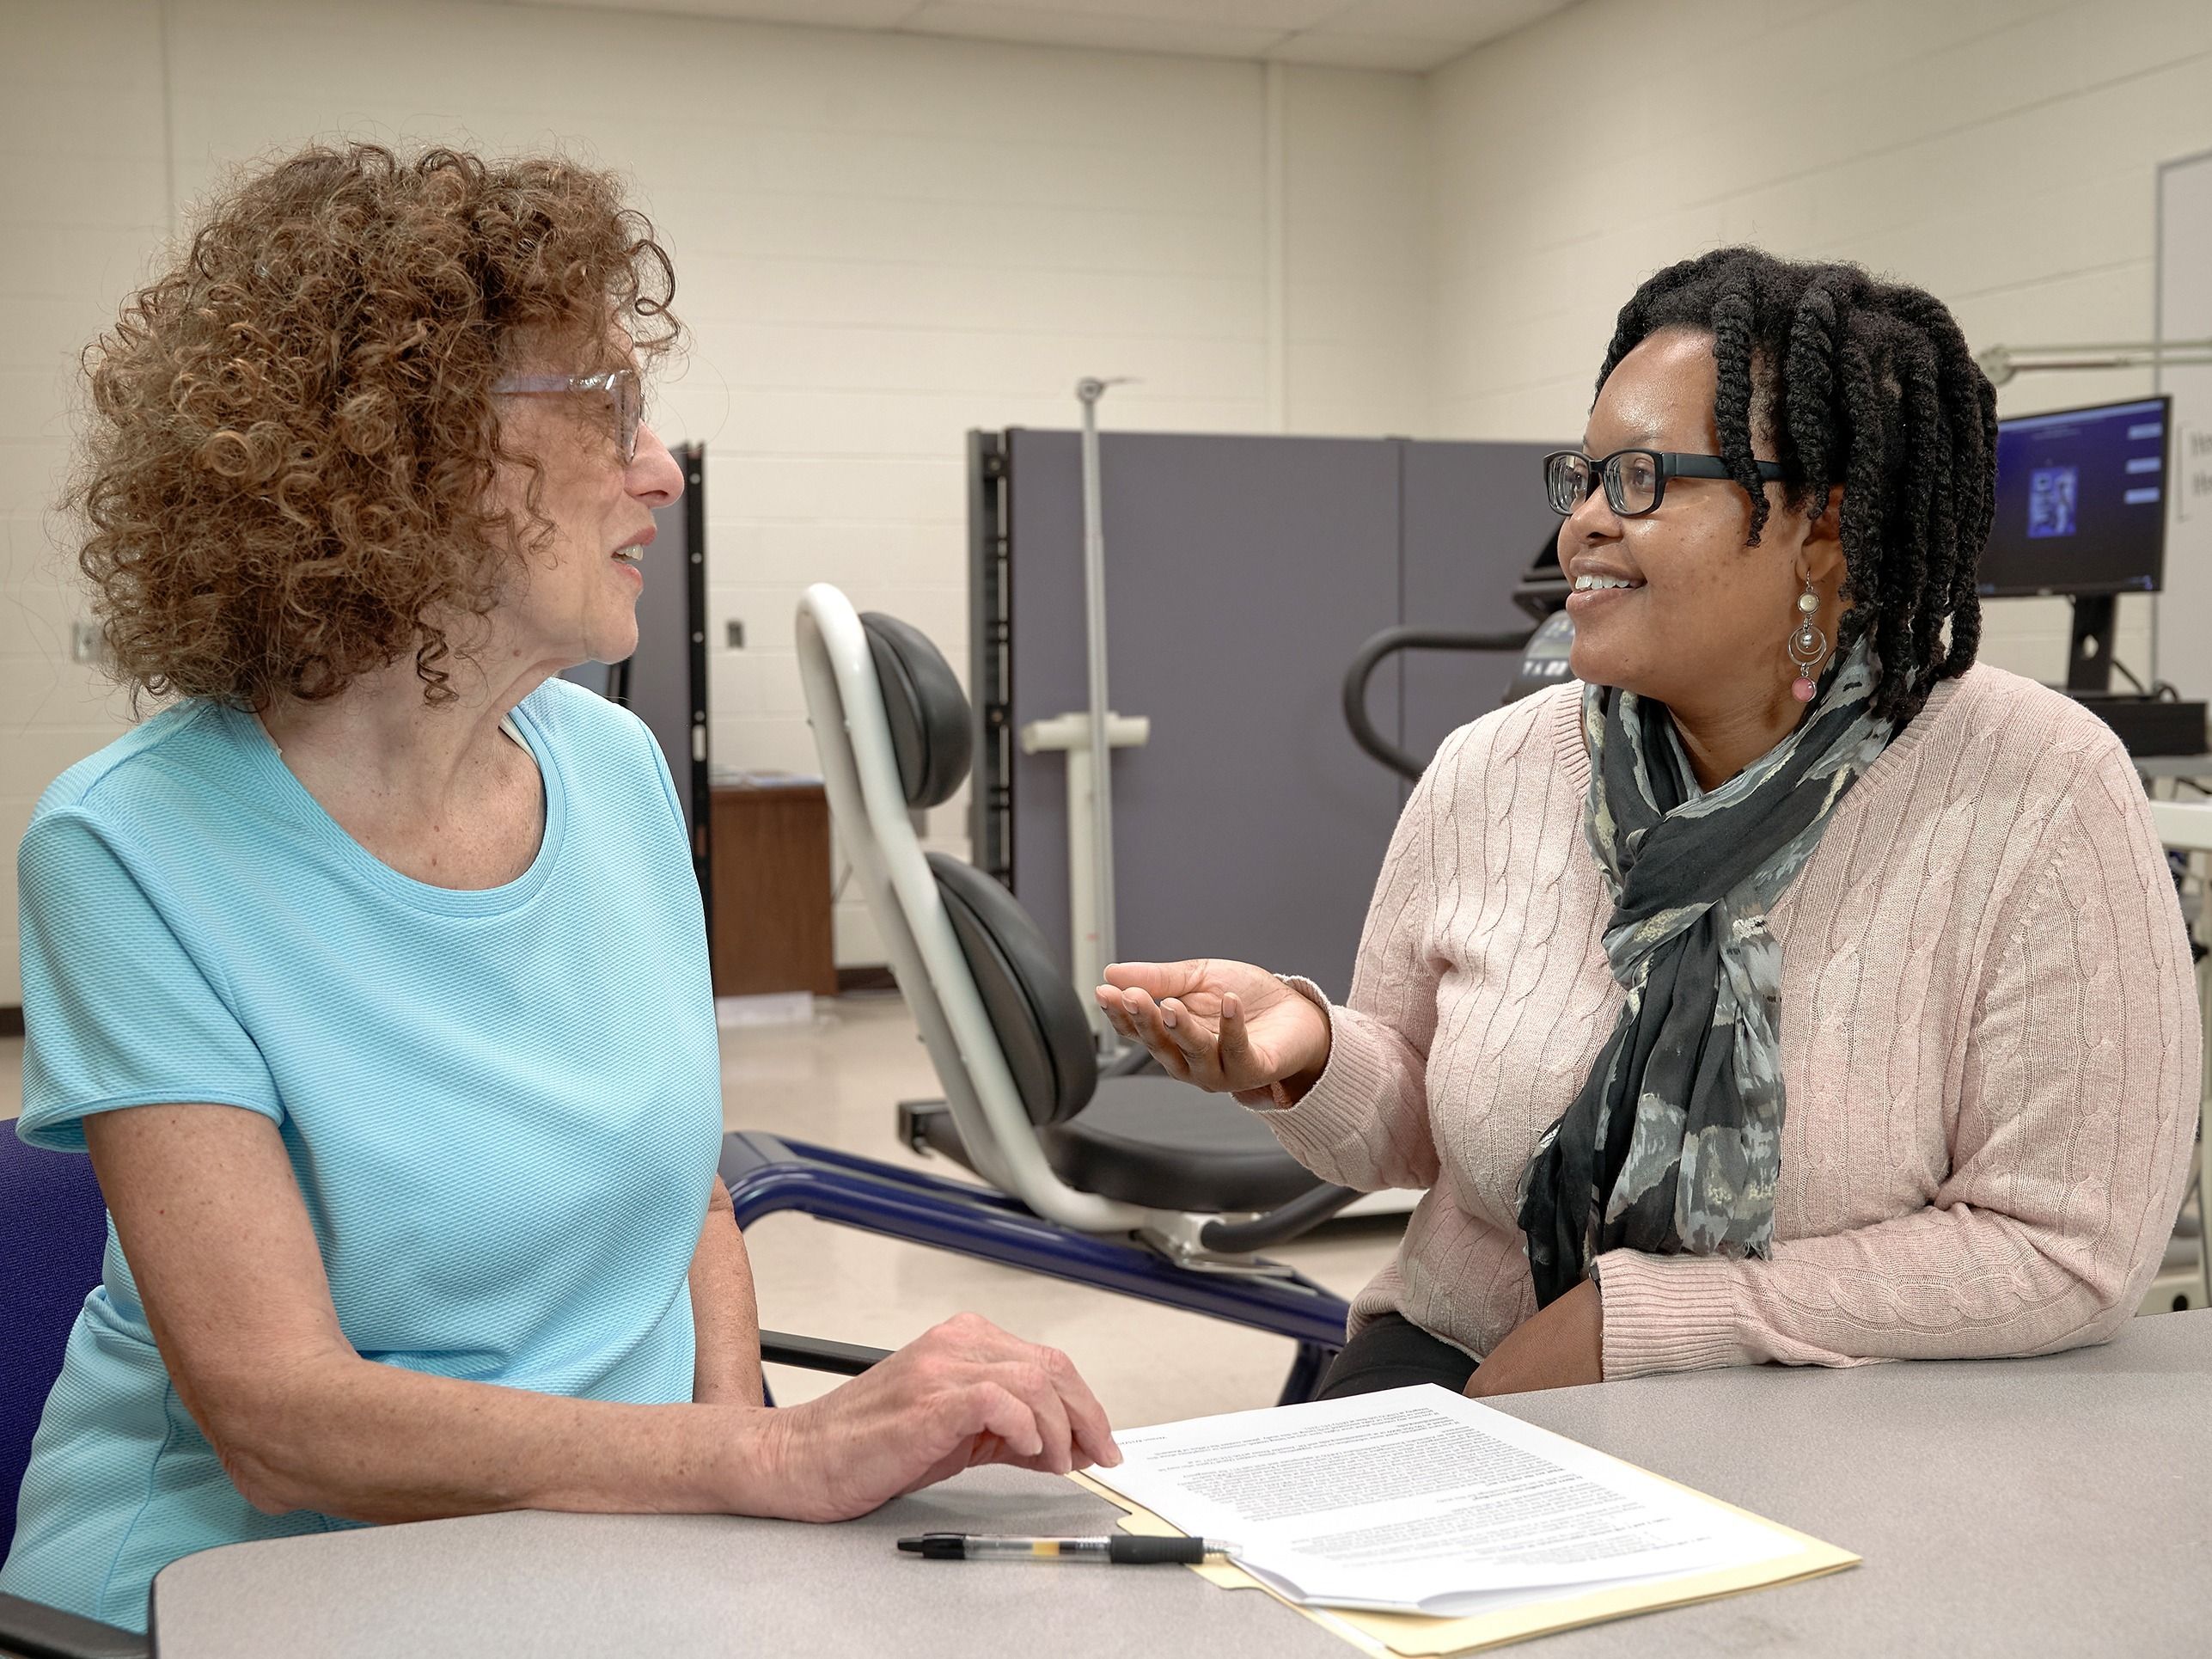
x=1031 y=1005
x=926 y=708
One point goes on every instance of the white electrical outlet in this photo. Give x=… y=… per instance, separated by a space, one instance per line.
x=87 y=643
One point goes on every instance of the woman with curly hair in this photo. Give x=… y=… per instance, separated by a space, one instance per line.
x=1760 y=998
x=372 y=971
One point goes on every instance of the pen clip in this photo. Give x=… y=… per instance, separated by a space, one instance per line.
x=936 y=1546
x=1141 y=1549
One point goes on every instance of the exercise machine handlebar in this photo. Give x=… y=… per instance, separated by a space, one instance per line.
x=1387 y=643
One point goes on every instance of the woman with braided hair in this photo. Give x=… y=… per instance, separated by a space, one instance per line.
x=1792 y=989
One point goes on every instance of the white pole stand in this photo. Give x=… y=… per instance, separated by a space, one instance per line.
x=1070 y=734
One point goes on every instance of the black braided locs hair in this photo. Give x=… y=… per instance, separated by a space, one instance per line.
x=1865 y=384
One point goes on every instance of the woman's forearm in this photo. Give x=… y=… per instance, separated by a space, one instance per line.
x=228 y=1273
x=1362 y=1120
x=369 y=1442
x=373 y=1442
x=724 y=1315
x=1363 y=1123
x=1947 y=1282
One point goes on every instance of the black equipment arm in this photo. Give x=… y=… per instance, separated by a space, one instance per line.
x=846 y=1359
x=1302 y=1214
x=36 y=1631
x=1391 y=640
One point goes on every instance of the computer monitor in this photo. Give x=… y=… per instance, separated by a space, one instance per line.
x=2081 y=511
x=2080 y=502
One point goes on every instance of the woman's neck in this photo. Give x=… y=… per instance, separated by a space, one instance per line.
x=437 y=793
x=1720 y=742
x=384 y=739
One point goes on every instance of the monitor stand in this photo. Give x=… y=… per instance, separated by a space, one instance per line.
x=2089 y=654
x=2146 y=725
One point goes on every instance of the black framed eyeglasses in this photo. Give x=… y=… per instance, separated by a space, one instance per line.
x=1634 y=480
x=624 y=392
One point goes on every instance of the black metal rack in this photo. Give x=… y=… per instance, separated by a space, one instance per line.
x=991 y=654
x=693 y=459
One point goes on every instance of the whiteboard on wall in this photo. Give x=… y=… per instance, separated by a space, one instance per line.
x=2185 y=312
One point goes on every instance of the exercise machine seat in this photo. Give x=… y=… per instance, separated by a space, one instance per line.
x=1149 y=1140
x=1032 y=1008
x=928 y=711
x=1145 y=1139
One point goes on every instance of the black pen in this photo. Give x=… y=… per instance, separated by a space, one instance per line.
x=1131 y=1549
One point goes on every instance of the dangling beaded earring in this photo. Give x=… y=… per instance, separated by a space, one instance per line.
x=1807 y=645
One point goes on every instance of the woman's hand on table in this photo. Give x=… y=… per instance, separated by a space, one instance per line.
x=1228 y=1027
x=962 y=1395
x=1561 y=1346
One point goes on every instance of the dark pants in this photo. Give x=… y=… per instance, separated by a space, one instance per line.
x=1392 y=1351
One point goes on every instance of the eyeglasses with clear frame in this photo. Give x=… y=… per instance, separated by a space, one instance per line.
x=1634 y=480
x=624 y=392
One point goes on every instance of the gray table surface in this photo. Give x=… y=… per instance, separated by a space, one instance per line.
x=2049 y=1506
x=2171 y=766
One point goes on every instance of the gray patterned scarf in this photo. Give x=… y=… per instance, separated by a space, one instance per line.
x=1674 y=1143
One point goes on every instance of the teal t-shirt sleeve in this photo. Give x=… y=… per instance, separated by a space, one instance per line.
x=658 y=764
x=117 y=1010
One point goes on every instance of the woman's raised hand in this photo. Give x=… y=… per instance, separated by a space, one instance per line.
x=1228 y=1027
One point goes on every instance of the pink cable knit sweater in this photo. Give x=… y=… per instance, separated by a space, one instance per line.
x=1990 y=1044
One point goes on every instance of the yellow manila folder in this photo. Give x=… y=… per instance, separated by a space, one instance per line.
x=1761 y=1554
x=1384 y=1634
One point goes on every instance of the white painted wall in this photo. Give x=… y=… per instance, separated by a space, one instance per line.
x=81 y=202
x=881 y=242
x=2002 y=153
x=2184 y=613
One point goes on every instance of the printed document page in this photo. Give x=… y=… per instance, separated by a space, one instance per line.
x=1419 y=1500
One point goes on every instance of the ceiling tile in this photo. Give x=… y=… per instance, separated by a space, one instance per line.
x=1066 y=27
x=1466 y=23
x=1400 y=34
x=829 y=14
x=1279 y=16
x=1343 y=51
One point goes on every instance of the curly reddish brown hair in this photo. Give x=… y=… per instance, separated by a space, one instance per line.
x=288 y=477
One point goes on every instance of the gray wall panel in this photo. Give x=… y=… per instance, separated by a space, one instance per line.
x=1474 y=518
x=660 y=673
x=1249 y=826
x=660 y=669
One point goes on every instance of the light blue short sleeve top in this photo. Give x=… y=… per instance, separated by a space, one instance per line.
x=502 y=1106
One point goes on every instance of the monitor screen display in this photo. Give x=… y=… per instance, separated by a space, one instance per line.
x=2080 y=502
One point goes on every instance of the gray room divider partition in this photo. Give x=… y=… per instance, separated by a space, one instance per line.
x=1243 y=575
x=664 y=680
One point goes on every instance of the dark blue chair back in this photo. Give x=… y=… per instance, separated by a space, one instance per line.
x=53 y=1228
